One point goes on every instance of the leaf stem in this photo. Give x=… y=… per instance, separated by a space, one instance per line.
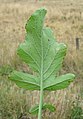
x=41 y=84
x=41 y=102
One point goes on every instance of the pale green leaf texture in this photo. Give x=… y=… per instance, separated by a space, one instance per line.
x=42 y=53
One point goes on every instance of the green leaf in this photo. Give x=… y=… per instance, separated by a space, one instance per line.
x=34 y=110
x=50 y=107
x=24 y=80
x=60 y=82
x=43 y=54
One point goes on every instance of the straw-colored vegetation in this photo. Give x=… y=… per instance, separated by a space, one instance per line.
x=66 y=19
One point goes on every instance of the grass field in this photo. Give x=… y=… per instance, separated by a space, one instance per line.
x=66 y=20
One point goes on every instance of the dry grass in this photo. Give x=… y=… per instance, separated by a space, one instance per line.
x=66 y=20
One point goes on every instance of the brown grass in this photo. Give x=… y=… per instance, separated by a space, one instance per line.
x=66 y=20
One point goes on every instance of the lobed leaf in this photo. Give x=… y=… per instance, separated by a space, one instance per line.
x=43 y=54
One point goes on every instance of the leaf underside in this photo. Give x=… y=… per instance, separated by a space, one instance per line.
x=41 y=52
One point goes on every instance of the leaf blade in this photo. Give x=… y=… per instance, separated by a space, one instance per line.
x=42 y=52
x=58 y=83
x=24 y=80
x=34 y=110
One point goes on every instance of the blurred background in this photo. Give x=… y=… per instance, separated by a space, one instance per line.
x=65 y=17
